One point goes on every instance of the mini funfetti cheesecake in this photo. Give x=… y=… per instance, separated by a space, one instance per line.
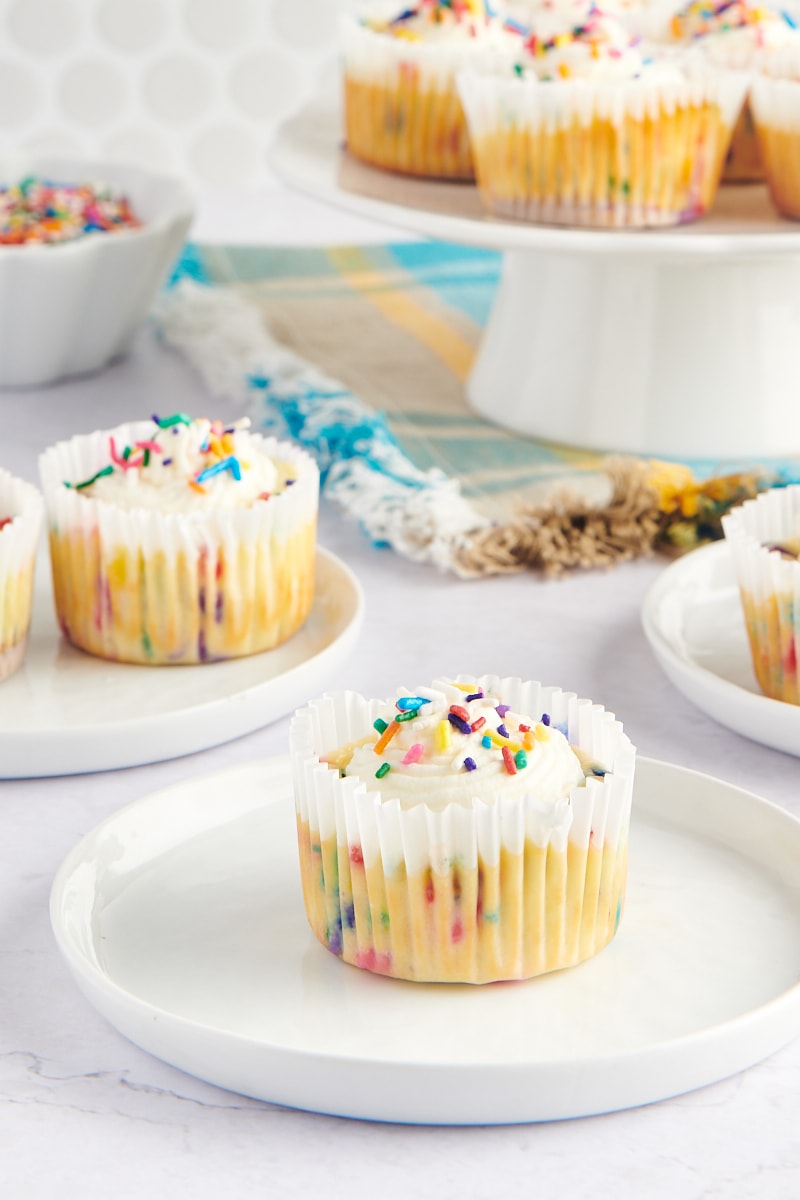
x=471 y=831
x=177 y=541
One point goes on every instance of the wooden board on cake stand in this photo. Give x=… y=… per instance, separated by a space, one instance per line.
x=677 y=342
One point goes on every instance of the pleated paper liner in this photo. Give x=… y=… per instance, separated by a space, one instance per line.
x=770 y=587
x=18 y=542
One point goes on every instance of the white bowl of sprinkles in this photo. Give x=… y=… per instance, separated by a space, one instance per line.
x=70 y=305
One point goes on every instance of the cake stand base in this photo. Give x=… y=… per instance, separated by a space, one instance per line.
x=693 y=359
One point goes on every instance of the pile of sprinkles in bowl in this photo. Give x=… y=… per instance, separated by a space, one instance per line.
x=216 y=450
x=38 y=211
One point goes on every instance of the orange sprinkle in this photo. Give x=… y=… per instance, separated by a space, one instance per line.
x=383 y=741
x=198 y=487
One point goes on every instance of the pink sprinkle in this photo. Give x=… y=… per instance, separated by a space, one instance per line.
x=154 y=446
x=125 y=463
x=414 y=754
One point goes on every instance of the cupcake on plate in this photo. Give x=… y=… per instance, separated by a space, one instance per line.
x=775 y=103
x=401 y=106
x=590 y=129
x=764 y=539
x=735 y=35
x=21 y=511
x=471 y=831
x=180 y=541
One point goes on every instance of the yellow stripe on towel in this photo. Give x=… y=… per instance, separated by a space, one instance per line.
x=402 y=310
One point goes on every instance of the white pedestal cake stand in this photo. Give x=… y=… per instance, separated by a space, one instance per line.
x=681 y=342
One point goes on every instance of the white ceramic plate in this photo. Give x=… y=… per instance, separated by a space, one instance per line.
x=182 y=920
x=693 y=620
x=66 y=713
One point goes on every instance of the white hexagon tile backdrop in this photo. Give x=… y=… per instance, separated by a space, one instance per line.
x=197 y=87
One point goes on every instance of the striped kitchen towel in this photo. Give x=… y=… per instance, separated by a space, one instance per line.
x=362 y=353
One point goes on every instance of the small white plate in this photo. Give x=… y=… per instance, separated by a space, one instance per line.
x=181 y=918
x=693 y=619
x=67 y=713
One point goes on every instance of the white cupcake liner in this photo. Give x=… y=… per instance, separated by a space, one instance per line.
x=397 y=841
x=775 y=105
x=171 y=562
x=376 y=57
x=769 y=586
x=18 y=545
x=402 y=108
x=602 y=184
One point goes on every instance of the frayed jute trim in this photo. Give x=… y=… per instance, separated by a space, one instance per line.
x=570 y=532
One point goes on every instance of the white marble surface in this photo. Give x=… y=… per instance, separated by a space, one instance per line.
x=85 y=1113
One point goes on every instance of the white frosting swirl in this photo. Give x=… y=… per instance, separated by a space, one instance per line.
x=438 y=760
x=173 y=480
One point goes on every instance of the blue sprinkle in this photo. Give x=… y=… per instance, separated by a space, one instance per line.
x=226 y=464
x=486 y=742
x=789 y=20
x=411 y=703
x=470 y=764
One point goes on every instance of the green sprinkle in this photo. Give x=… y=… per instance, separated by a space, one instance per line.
x=521 y=760
x=146 y=461
x=406 y=716
x=382 y=770
x=147 y=645
x=109 y=470
x=518 y=70
x=379 y=725
x=126 y=453
x=175 y=419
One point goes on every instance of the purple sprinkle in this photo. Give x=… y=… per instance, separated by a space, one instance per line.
x=219 y=607
x=502 y=709
x=545 y=718
x=501 y=729
x=289 y=482
x=470 y=764
x=154 y=417
x=201 y=600
x=202 y=649
x=166 y=462
x=463 y=726
x=474 y=696
x=174 y=430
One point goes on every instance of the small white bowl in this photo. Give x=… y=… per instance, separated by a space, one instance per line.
x=69 y=308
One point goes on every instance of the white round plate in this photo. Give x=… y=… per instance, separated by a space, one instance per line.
x=308 y=154
x=181 y=918
x=67 y=713
x=693 y=619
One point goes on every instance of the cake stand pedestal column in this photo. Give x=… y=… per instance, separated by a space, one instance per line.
x=656 y=354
